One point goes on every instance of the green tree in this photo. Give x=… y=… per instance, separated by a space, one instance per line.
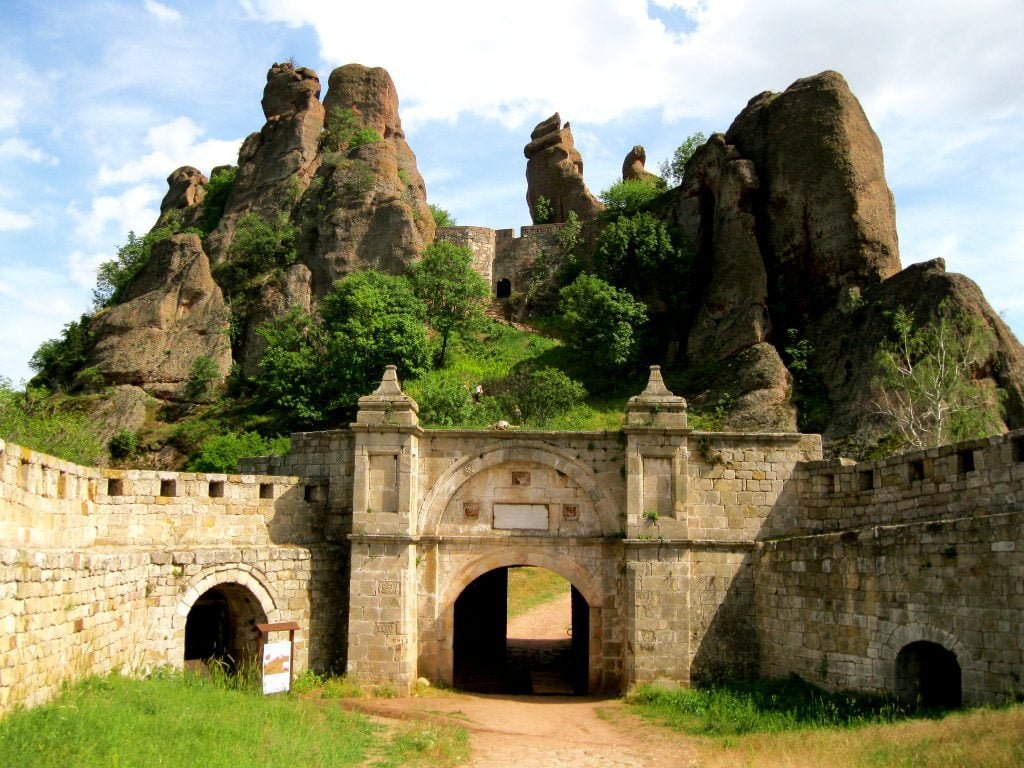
x=316 y=367
x=625 y=198
x=114 y=275
x=442 y=218
x=538 y=393
x=673 y=171
x=343 y=132
x=57 y=361
x=926 y=379
x=636 y=252
x=453 y=292
x=601 y=320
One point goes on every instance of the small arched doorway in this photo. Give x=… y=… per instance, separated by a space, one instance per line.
x=928 y=676
x=503 y=289
x=221 y=626
x=488 y=658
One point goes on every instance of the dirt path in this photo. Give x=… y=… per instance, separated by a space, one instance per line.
x=545 y=731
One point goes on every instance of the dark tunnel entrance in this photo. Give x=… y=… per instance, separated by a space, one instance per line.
x=504 y=288
x=549 y=654
x=928 y=677
x=221 y=627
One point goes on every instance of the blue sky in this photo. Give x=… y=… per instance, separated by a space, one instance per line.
x=101 y=100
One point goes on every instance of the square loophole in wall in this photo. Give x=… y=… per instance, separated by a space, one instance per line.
x=520 y=478
x=915 y=470
x=115 y=486
x=471 y=509
x=168 y=488
x=266 y=490
x=216 y=489
x=571 y=511
x=866 y=480
x=964 y=461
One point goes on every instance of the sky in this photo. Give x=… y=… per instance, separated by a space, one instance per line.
x=102 y=99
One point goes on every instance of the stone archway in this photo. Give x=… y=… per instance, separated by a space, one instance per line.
x=588 y=606
x=928 y=676
x=217 y=615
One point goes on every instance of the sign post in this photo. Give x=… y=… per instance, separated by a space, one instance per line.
x=276 y=659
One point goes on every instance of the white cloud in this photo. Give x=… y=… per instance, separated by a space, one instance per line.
x=13 y=220
x=110 y=217
x=82 y=267
x=172 y=145
x=19 y=149
x=162 y=12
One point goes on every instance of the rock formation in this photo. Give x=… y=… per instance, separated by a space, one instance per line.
x=276 y=164
x=368 y=206
x=554 y=171
x=186 y=189
x=828 y=215
x=633 y=166
x=172 y=314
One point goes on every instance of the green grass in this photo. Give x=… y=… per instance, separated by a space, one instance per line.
x=181 y=720
x=761 y=706
x=529 y=587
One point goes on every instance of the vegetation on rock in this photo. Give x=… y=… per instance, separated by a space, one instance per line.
x=673 y=171
x=35 y=419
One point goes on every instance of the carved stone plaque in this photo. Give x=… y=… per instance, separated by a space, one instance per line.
x=471 y=509
x=520 y=478
x=521 y=517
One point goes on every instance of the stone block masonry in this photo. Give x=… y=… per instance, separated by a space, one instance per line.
x=694 y=557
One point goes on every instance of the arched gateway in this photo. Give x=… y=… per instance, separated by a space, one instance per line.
x=438 y=518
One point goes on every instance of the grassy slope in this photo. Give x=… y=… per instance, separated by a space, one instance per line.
x=185 y=721
x=529 y=587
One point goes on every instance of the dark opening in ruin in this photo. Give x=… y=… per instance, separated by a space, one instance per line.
x=964 y=461
x=266 y=490
x=928 y=677
x=915 y=470
x=168 y=488
x=501 y=646
x=115 y=486
x=216 y=489
x=866 y=480
x=504 y=288
x=221 y=628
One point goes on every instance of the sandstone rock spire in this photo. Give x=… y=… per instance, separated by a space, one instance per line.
x=554 y=171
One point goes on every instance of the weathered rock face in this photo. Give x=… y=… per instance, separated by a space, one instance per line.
x=367 y=207
x=186 y=189
x=827 y=215
x=554 y=171
x=172 y=314
x=846 y=340
x=717 y=203
x=276 y=164
x=633 y=166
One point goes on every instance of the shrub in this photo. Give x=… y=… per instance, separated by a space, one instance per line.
x=259 y=246
x=201 y=378
x=218 y=189
x=442 y=218
x=221 y=453
x=35 y=419
x=636 y=252
x=123 y=444
x=538 y=393
x=343 y=133
x=543 y=212
x=601 y=320
x=444 y=401
x=625 y=198
x=57 y=361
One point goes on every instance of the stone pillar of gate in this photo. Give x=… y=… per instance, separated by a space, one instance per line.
x=657 y=554
x=382 y=636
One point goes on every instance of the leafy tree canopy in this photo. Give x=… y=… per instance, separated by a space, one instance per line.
x=926 y=379
x=453 y=292
x=674 y=170
x=625 y=198
x=317 y=366
x=602 y=320
x=442 y=218
x=635 y=252
x=36 y=420
x=221 y=453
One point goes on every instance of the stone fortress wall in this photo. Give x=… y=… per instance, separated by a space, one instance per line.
x=695 y=556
